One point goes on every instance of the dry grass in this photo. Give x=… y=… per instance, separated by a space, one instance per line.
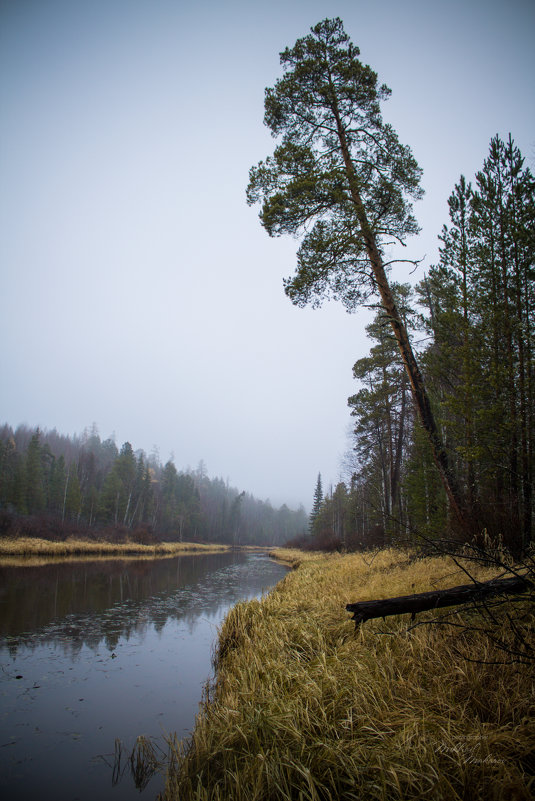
x=31 y=546
x=306 y=708
x=292 y=556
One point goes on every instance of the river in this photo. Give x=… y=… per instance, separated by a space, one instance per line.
x=97 y=650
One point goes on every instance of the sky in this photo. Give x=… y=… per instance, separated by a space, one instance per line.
x=139 y=291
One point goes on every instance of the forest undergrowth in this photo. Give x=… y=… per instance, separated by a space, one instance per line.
x=305 y=707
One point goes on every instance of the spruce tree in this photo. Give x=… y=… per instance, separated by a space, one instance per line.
x=73 y=496
x=34 y=474
x=316 y=506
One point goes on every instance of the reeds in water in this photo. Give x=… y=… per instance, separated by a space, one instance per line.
x=145 y=760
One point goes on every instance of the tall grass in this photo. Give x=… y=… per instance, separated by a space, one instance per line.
x=304 y=707
x=29 y=546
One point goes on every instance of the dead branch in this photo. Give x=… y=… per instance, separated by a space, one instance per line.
x=437 y=599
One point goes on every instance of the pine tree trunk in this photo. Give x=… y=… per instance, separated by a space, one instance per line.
x=419 y=393
x=522 y=345
x=396 y=495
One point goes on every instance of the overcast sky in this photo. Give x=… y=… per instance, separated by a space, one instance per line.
x=139 y=291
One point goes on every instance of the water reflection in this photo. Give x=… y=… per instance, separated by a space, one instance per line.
x=98 y=650
x=91 y=602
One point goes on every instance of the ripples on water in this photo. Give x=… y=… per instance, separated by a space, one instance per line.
x=96 y=651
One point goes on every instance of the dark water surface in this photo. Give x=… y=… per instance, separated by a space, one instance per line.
x=91 y=651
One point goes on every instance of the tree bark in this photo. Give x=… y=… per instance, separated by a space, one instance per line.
x=437 y=599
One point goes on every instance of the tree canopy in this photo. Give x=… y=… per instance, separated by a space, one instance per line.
x=339 y=176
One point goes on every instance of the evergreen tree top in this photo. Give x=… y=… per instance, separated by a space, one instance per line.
x=339 y=174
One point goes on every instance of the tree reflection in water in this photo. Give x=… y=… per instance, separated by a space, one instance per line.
x=91 y=651
x=89 y=601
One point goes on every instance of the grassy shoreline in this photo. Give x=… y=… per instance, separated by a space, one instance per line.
x=292 y=556
x=32 y=546
x=304 y=707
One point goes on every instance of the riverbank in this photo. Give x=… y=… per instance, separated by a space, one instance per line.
x=33 y=546
x=292 y=557
x=304 y=706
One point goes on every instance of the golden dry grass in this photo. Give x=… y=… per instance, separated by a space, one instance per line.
x=292 y=556
x=32 y=546
x=304 y=707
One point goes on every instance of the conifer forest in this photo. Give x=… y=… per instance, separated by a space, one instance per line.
x=472 y=316
x=472 y=321
x=444 y=412
x=56 y=486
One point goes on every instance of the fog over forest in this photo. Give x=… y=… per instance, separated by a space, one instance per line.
x=59 y=486
x=139 y=289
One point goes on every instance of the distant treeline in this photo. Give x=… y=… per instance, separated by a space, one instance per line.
x=474 y=317
x=55 y=485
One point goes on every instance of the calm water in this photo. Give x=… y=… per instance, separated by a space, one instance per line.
x=97 y=650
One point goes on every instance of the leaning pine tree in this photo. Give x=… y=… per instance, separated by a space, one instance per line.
x=341 y=177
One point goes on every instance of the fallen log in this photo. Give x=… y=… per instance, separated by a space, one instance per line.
x=436 y=599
